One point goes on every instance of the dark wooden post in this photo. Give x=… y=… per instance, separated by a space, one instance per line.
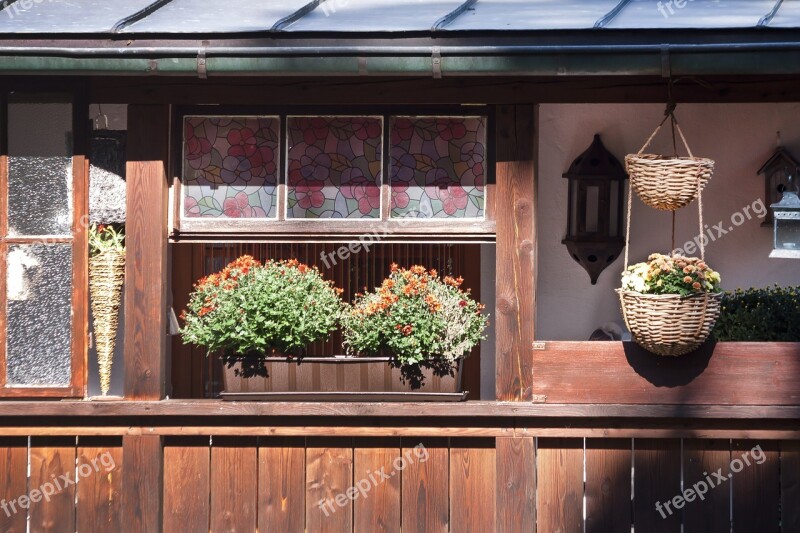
x=516 y=251
x=146 y=252
x=145 y=306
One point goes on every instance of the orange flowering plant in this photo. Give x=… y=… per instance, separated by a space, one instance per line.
x=254 y=308
x=415 y=317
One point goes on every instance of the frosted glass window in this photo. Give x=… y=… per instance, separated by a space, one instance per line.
x=39 y=314
x=39 y=168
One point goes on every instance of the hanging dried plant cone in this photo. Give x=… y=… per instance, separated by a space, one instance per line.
x=106 y=275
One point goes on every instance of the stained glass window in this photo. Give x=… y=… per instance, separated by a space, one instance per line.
x=334 y=167
x=438 y=167
x=230 y=167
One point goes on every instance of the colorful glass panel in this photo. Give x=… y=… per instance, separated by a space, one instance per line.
x=334 y=167
x=438 y=167
x=230 y=167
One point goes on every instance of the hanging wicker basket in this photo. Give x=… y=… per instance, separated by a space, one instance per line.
x=106 y=276
x=669 y=324
x=665 y=182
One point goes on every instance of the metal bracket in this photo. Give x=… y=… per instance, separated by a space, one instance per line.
x=539 y=398
x=538 y=345
x=436 y=62
x=666 y=65
x=202 y=67
x=362 y=66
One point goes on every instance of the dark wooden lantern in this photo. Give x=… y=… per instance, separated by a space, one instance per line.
x=596 y=199
x=774 y=171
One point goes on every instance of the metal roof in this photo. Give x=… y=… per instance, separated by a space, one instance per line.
x=188 y=17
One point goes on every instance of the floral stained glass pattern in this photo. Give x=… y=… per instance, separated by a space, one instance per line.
x=334 y=167
x=230 y=167
x=438 y=167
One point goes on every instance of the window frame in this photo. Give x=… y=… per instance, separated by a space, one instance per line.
x=80 y=254
x=223 y=228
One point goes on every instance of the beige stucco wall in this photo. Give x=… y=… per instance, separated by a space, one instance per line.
x=739 y=137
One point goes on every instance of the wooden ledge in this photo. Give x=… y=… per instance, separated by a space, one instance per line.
x=219 y=408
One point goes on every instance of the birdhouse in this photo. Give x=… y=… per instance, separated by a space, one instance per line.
x=775 y=178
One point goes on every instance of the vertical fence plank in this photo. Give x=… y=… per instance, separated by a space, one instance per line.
x=425 y=487
x=472 y=485
x=710 y=512
x=14 y=472
x=608 y=485
x=377 y=507
x=559 y=477
x=50 y=459
x=99 y=494
x=516 y=484
x=186 y=484
x=755 y=486
x=234 y=484
x=142 y=486
x=657 y=479
x=790 y=486
x=281 y=485
x=329 y=474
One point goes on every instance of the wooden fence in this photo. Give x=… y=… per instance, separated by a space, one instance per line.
x=460 y=484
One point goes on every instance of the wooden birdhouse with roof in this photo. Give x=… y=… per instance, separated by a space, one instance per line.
x=776 y=178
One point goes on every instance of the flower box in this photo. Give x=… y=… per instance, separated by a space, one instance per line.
x=332 y=378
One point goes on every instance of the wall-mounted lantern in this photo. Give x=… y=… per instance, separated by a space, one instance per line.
x=594 y=212
x=786 y=214
x=775 y=181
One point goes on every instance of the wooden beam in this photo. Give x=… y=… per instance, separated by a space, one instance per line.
x=516 y=250
x=146 y=252
x=142 y=483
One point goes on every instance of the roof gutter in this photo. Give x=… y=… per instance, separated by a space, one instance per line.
x=534 y=60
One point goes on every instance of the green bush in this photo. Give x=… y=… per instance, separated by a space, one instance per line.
x=768 y=315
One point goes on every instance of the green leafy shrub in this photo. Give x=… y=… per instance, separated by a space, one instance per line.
x=768 y=315
x=415 y=317
x=254 y=309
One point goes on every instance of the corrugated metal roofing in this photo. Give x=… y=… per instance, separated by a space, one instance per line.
x=55 y=17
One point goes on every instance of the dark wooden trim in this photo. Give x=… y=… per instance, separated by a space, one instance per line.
x=329 y=227
x=516 y=244
x=146 y=252
x=213 y=409
x=141 y=485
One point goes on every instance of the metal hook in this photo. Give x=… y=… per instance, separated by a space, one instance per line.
x=99 y=115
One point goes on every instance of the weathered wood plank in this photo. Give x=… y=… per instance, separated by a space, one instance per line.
x=608 y=485
x=516 y=484
x=657 y=480
x=99 y=503
x=146 y=252
x=142 y=483
x=472 y=485
x=516 y=249
x=13 y=484
x=709 y=511
x=281 y=485
x=329 y=475
x=234 y=484
x=727 y=373
x=377 y=507
x=755 y=475
x=52 y=467
x=790 y=486
x=559 y=477
x=426 y=487
x=186 y=484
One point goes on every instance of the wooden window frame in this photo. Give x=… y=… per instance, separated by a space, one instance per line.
x=79 y=242
x=226 y=229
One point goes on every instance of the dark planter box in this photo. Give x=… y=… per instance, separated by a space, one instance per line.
x=332 y=378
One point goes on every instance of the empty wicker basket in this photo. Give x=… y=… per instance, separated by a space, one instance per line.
x=667 y=182
x=669 y=324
